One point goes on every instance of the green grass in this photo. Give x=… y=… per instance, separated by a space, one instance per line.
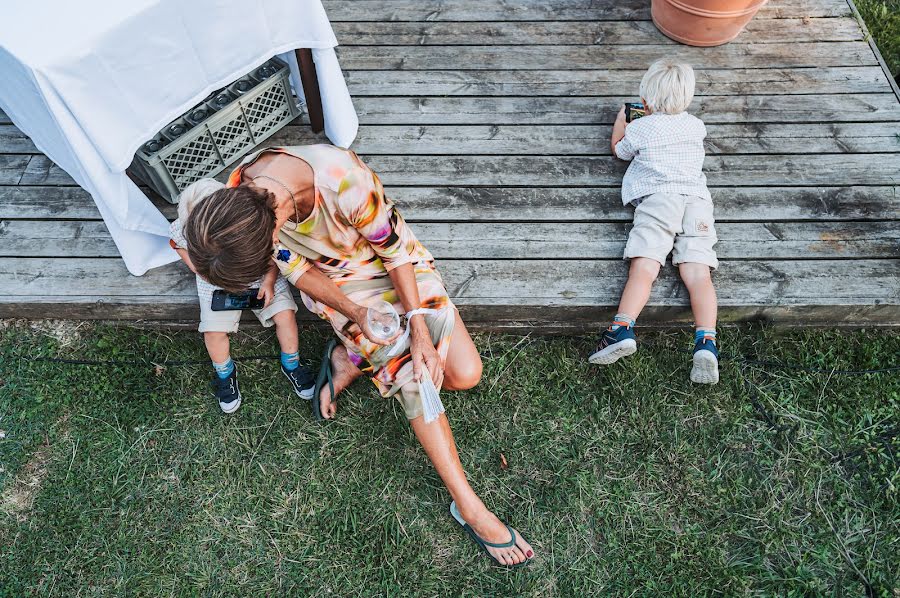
x=627 y=479
x=882 y=17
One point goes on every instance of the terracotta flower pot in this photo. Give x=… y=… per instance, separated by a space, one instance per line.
x=703 y=22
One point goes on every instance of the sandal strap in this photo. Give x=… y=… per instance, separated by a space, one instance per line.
x=510 y=544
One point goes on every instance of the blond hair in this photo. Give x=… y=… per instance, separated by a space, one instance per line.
x=668 y=86
x=194 y=194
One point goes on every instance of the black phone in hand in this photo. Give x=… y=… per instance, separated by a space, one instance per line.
x=634 y=110
x=225 y=301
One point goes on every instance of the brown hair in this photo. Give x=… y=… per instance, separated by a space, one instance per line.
x=229 y=236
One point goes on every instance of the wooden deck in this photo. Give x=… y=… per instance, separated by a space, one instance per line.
x=489 y=120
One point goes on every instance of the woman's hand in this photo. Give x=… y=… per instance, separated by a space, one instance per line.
x=358 y=316
x=423 y=353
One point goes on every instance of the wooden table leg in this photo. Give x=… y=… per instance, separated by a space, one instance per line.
x=310 y=81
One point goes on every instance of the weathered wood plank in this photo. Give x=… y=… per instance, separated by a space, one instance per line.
x=64 y=203
x=591 y=33
x=12 y=167
x=881 y=107
x=548 y=283
x=547 y=10
x=493 y=204
x=604 y=82
x=594 y=139
x=858 y=240
x=571 y=171
x=519 y=319
x=811 y=138
x=508 y=115
x=783 y=55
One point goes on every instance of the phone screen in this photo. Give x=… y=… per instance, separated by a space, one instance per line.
x=241 y=301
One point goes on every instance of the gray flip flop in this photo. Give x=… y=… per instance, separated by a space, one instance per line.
x=484 y=544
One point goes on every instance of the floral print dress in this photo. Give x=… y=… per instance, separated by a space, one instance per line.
x=355 y=236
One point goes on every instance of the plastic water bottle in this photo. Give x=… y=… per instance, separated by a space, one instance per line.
x=383 y=320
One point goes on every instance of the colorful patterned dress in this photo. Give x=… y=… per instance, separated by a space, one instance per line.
x=355 y=236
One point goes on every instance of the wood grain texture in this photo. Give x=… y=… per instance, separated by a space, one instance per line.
x=570 y=171
x=517 y=204
x=489 y=121
x=881 y=107
x=549 y=283
x=775 y=55
x=587 y=33
x=844 y=138
x=546 y=10
x=468 y=240
x=606 y=82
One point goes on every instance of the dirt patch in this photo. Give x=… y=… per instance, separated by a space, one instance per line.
x=18 y=498
x=64 y=332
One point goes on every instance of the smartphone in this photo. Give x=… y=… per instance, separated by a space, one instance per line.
x=225 y=301
x=634 y=110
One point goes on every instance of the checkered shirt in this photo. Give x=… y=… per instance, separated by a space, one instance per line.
x=666 y=153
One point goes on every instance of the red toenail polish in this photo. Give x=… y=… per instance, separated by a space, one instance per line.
x=530 y=554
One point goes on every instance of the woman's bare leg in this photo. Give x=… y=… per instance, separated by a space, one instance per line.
x=437 y=440
x=462 y=370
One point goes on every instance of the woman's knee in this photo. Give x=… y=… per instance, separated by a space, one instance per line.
x=463 y=374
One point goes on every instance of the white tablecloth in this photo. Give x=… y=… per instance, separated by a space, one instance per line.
x=90 y=81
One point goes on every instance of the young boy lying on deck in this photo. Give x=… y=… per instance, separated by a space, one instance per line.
x=279 y=309
x=673 y=208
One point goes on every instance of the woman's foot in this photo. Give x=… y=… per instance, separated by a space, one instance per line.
x=492 y=530
x=344 y=373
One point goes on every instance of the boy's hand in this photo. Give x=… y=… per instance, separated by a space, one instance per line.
x=618 y=130
x=266 y=293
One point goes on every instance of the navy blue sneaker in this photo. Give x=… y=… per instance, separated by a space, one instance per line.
x=227 y=392
x=614 y=344
x=706 y=362
x=302 y=381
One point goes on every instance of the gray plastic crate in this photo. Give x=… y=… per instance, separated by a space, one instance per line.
x=229 y=130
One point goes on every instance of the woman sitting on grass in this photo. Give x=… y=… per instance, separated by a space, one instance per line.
x=342 y=243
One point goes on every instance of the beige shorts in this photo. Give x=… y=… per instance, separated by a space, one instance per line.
x=664 y=221
x=228 y=321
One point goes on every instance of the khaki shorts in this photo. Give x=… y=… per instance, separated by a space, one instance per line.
x=664 y=221
x=228 y=321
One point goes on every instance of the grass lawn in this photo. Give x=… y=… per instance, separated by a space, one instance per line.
x=882 y=18
x=126 y=479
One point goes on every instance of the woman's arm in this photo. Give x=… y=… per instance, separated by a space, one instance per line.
x=364 y=204
x=323 y=290
x=420 y=346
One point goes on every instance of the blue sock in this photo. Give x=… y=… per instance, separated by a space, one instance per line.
x=702 y=332
x=621 y=318
x=224 y=369
x=290 y=361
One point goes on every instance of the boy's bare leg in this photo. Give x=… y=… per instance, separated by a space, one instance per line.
x=699 y=284
x=217 y=346
x=286 y=331
x=641 y=274
x=696 y=278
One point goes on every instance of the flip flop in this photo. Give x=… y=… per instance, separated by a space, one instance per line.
x=484 y=544
x=325 y=375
